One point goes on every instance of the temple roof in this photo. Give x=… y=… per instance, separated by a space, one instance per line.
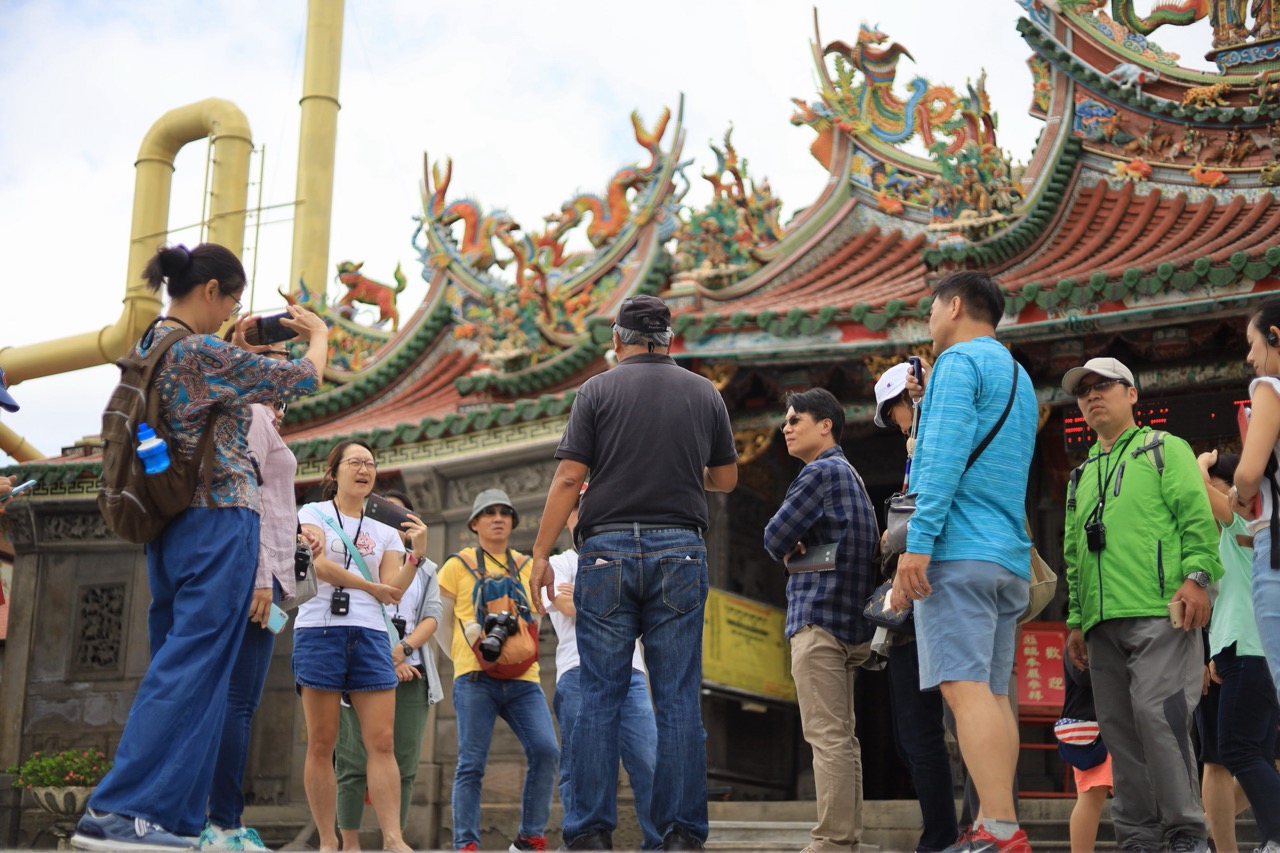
x=1151 y=194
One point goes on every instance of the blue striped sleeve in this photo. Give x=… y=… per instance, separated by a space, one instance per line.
x=948 y=423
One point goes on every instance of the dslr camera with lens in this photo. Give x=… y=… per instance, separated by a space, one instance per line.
x=497 y=628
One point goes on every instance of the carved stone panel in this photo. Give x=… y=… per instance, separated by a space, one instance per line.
x=98 y=650
x=518 y=481
x=17 y=522
x=74 y=527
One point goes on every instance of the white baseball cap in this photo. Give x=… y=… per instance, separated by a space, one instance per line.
x=1110 y=368
x=889 y=387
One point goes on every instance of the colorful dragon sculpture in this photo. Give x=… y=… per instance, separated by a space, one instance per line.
x=479 y=229
x=718 y=244
x=1178 y=13
x=516 y=325
x=863 y=100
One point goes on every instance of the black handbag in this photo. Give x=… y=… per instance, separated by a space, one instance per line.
x=878 y=612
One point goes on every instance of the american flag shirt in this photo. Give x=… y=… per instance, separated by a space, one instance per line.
x=827 y=503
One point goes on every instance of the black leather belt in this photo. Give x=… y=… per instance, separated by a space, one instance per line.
x=634 y=527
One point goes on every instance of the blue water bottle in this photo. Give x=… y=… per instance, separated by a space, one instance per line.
x=152 y=450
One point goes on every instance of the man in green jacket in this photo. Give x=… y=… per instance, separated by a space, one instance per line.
x=1141 y=548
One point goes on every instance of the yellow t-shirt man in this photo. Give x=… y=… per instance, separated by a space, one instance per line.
x=458 y=581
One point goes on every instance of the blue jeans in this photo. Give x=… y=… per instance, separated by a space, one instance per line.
x=479 y=700
x=652 y=584
x=201 y=571
x=1247 y=718
x=226 y=799
x=921 y=740
x=637 y=739
x=1266 y=601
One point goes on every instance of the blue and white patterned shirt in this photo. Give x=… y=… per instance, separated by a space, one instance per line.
x=827 y=503
x=202 y=373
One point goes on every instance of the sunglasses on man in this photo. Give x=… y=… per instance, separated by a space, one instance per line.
x=1101 y=386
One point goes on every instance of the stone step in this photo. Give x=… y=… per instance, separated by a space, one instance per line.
x=777 y=832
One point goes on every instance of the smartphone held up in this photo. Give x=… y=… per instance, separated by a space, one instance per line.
x=268 y=330
x=18 y=490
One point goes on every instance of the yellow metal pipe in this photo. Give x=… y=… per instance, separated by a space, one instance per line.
x=17 y=446
x=232 y=142
x=317 y=144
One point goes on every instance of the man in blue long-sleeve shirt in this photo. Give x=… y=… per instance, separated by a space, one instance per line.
x=826 y=504
x=968 y=557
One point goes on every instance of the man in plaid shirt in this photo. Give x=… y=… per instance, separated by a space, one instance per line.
x=827 y=503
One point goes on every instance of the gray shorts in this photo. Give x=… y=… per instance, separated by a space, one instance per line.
x=966 y=627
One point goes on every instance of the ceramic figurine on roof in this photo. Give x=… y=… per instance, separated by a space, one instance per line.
x=968 y=189
x=863 y=99
x=364 y=290
x=720 y=243
x=536 y=303
x=1150 y=196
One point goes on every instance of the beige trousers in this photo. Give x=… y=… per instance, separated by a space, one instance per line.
x=824 y=669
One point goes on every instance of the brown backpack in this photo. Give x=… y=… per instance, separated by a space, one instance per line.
x=137 y=505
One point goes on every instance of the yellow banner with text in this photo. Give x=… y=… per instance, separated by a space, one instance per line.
x=744 y=646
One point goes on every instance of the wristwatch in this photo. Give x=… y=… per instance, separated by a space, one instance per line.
x=1201 y=578
x=409 y=650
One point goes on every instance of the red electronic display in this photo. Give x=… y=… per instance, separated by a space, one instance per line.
x=1191 y=416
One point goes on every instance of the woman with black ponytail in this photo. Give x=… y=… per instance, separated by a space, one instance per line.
x=201 y=567
x=1256 y=475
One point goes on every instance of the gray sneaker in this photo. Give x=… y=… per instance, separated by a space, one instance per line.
x=107 y=831
x=1182 y=842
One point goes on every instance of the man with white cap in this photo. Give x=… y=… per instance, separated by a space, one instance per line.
x=9 y=405
x=918 y=730
x=1140 y=546
x=893 y=400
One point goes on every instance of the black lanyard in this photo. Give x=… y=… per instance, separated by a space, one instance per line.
x=484 y=569
x=1104 y=484
x=355 y=540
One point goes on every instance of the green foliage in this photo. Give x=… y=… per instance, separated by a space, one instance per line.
x=71 y=768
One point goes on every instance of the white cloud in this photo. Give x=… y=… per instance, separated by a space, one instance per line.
x=530 y=100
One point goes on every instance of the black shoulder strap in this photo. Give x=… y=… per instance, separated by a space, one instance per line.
x=1076 y=473
x=977 y=451
x=1272 y=474
x=1071 y=487
x=1155 y=447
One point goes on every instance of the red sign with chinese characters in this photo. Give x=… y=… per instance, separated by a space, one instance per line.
x=1041 y=684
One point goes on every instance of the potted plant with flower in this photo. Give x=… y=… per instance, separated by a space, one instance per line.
x=61 y=782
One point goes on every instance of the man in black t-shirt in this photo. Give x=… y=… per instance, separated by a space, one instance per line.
x=655 y=438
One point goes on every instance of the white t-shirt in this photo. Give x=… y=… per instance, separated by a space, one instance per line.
x=375 y=539
x=565 y=568
x=408 y=610
x=1264 y=488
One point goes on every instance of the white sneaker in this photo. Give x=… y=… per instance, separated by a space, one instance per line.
x=236 y=838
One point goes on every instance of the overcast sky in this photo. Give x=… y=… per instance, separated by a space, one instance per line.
x=531 y=100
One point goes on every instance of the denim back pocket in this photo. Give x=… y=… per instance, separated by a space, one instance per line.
x=599 y=586
x=684 y=580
